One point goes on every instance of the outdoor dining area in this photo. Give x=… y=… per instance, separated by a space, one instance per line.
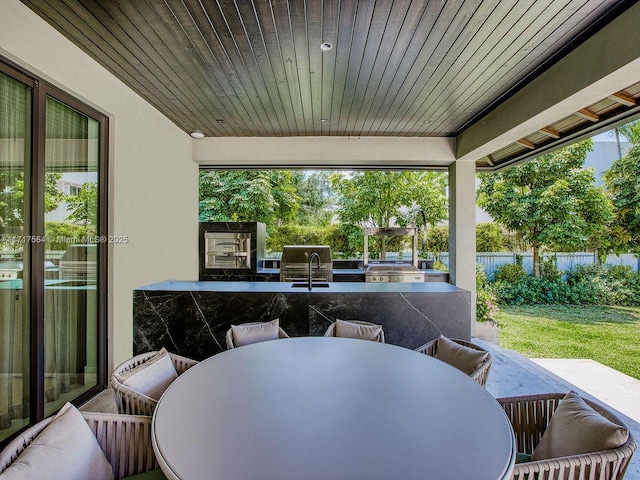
x=173 y=351
x=343 y=405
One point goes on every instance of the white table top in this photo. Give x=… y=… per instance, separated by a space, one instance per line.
x=329 y=408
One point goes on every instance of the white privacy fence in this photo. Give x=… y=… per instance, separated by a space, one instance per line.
x=564 y=261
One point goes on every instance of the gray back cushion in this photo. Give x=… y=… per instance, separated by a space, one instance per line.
x=259 y=332
x=576 y=428
x=65 y=449
x=357 y=330
x=463 y=358
x=151 y=377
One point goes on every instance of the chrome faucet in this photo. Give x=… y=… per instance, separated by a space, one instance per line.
x=313 y=255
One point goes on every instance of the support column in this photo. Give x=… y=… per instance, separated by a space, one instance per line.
x=462 y=230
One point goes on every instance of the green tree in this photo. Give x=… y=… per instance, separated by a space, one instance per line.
x=268 y=196
x=437 y=239
x=629 y=130
x=429 y=193
x=385 y=199
x=83 y=207
x=551 y=201
x=489 y=237
x=317 y=203
x=12 y=196
x=623 y=187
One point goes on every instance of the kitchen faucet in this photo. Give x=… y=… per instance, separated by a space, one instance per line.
x=313 y=255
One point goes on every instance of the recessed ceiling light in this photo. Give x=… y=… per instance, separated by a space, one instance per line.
x=323 y=120
x=197 y=134
x=220 y=120
x=326 y=46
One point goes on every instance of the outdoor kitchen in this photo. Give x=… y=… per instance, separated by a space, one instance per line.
x=232 y=251
x=305 y=288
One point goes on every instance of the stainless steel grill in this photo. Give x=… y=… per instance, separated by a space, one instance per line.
x=396 y=272
x=401 y=273
x=79 y=262
x=294 y=265
x=10 y=270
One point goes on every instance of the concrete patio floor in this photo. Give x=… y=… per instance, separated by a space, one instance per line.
x=513 y=374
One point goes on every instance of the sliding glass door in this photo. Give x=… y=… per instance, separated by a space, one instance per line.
x=71 y=219
x=52 y=259
x=15 y=155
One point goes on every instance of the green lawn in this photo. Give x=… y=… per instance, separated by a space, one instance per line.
x=609 y=335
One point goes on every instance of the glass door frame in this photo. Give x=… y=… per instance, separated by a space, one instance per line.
x=34 y=261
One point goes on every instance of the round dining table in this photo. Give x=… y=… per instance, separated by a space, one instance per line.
x=329 y=408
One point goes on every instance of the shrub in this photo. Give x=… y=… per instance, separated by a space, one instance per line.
x=531 y=291
x=511 y=274
x=486 y=303
x=438 y=265
x=549 y=270
x=584 y=285
x=620 y=272
x=298 y=235
x=489 y=237
x=437 y=239
x=62 y=234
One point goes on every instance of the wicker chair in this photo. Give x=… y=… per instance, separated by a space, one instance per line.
x=530 y=415
x=131 y=402
x=480 y=375
x=229 y=334
x=331 y=331
x=124 y=439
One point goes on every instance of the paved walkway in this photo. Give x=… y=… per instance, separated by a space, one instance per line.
x=610 y=386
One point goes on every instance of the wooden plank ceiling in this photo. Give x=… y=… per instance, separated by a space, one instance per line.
x=256 y=67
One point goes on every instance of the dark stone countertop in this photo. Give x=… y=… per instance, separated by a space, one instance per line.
x=286 y=287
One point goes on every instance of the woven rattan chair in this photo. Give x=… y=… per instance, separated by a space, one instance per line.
x=124 y=439
x=331 y=331
x=132 y=402
x=229 y=334
x=480 y=375
x=530 y=415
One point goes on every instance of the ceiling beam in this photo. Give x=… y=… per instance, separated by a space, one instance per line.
x=551 y=132
x=526 y=143
x=586 y=75
x=588 y=115
x=324 y=152
x=623 y=98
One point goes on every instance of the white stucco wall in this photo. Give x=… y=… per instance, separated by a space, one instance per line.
x=153 y=180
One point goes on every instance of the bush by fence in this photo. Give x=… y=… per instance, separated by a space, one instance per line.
x=582 y=285
x=580 y=282
x=563 y=261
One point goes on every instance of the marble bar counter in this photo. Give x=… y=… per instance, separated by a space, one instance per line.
x=191 y=318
